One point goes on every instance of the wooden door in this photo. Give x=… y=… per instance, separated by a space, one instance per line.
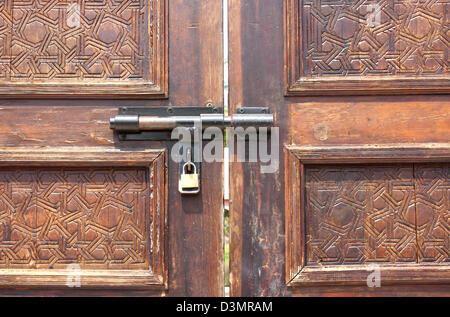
x=81 y=212
x=359 y=90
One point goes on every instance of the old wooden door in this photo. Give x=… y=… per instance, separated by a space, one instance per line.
x=360 y=94
x=80 y=211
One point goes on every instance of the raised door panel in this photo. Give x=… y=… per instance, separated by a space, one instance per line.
x=364 y=47
x=94 y=217
x=342 y=219
x=102 y=48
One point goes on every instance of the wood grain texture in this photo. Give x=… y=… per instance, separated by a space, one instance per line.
x=294 y=215
x=351 y=275
x=256 y=222
x=260 y=263
x=87 y=49
x=369 y=120
x=371 y=153
x=402 y=290
x=108 y=220
x=372 y=47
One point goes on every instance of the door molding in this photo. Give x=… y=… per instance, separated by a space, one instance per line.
x=73 y=186
x=298 y=273
x=309 y=33
x=120 y=52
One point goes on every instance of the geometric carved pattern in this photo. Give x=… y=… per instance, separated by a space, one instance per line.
x=360 y=214
x=94 y=217
x=108 y=43
x=351 y=207
x=433 y=212
x=82 y=43
x=367 y=46
x=378 y=37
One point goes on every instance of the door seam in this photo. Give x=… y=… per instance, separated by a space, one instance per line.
x=415 y=212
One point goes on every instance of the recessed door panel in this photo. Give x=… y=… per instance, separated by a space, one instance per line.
x=389 y=47
x=88 y=48
x=96 y=218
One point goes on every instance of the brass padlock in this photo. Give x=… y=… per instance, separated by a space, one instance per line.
x=189 y=183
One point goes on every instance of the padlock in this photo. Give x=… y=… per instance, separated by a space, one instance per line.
x=189 y=181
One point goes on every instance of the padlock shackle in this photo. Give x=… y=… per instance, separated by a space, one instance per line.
x=192 y=164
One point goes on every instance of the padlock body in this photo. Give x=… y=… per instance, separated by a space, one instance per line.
x=189 y=181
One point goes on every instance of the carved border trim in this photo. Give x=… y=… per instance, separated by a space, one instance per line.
x=157 y=88
x=296 y=157
x=155 y=161
x=297 y=84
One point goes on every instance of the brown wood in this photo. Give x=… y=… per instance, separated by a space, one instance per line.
x=336 y=118
x=47 y=228
x=181 y=252
x=117 y=49
x=365 y=48
x=352 y=216
x=357 y=275
x=433 y=227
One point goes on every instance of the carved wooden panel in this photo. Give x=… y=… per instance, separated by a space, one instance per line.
x=360 y=214
x=86 y=48
x=101 y=215
x=433 y=212
x=95 y=217
x=351 y=207
x=389 y=46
